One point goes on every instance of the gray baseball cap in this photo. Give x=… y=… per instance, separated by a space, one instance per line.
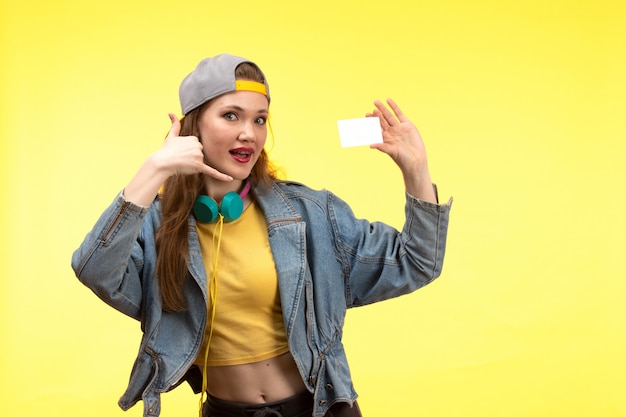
x=213 y=77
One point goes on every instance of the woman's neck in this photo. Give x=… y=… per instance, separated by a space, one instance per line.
x=217 y=189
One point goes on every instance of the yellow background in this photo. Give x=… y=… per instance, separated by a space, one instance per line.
x=521 y=105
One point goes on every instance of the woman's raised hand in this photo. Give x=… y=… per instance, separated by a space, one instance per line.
x=183 y=155
x=403 y=143
x=179 y=155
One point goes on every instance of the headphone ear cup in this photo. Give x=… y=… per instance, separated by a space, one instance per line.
x=231 y=207
x=206 y=209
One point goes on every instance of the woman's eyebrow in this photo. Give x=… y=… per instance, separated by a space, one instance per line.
x=241 y=109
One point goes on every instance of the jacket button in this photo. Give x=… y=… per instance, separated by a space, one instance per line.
x=329 y=386
x=323 y=402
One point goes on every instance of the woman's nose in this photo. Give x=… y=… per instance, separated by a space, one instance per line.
x=247 y=133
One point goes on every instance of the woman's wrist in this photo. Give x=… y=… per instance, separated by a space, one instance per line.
x=419 y=184
x=145 y=185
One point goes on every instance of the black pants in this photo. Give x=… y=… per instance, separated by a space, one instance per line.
x=300 y=405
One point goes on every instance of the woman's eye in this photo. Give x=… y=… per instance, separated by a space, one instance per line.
x=260 y=120
x=230 y=116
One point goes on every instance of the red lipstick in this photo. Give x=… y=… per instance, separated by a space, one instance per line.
x=242 y=155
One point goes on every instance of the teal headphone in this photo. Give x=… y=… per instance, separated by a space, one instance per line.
x=207 y=210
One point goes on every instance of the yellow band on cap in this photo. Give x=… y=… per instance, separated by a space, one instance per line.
x=246 y=85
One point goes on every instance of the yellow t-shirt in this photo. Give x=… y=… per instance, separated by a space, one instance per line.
x=248 y=323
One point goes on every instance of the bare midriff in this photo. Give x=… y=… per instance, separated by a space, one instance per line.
x=260 y=382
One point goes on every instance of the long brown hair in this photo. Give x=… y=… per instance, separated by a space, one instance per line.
x=178 y=195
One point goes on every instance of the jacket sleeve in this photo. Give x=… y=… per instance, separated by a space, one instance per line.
x=379 y=262
x=110 y=261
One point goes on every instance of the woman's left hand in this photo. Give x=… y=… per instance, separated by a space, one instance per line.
x=403 y=143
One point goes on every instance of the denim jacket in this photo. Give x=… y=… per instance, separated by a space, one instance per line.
x=326 y=259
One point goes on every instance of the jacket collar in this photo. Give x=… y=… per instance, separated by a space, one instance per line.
x=275 y=204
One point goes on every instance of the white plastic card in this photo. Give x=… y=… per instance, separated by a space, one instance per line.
x=359 y=132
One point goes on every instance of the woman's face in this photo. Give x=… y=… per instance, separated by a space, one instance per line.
x=233 y=131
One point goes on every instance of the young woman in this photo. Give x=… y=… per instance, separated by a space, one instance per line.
x=245 y=299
